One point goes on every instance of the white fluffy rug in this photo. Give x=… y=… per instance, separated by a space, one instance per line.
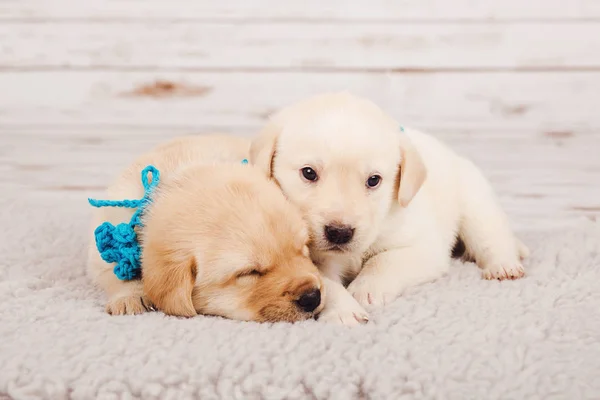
x=458 y=338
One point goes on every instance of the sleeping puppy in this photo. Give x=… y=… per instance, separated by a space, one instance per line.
x=385 y=206
x=217 y=238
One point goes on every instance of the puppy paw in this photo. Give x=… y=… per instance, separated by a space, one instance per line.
x=370 y=291
x=348 y=313
x=503 y=271
x=128 y=305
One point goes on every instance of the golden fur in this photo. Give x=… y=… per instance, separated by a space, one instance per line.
x=218 y=238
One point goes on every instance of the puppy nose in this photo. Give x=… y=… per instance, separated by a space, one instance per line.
x=309 y=301
x=339 y=234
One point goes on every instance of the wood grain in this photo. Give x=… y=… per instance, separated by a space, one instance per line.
x=300 y=46
x=87 y=85
x=496 y=101
x=344 y=10
x=540 y=180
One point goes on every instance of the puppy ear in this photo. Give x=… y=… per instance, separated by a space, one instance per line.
x=169 y=283
x=262 y=148
x=412 y=172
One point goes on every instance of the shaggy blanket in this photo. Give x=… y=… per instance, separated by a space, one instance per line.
x=458 y=338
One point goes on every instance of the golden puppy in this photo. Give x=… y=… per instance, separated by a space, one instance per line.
x=217 y=238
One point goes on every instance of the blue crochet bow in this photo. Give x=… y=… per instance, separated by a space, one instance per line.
x=119 y=244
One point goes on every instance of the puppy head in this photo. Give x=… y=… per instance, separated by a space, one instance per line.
x=344 y=163
x=223 y=240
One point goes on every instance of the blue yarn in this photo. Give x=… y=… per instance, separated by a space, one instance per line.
x=119 y=244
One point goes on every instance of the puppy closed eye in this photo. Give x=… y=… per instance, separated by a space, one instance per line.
x=250 y=273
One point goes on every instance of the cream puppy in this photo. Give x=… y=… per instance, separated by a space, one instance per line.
x=385 y=205
x=218 y=238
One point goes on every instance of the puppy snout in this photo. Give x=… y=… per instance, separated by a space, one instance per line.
x=310 y=300
x=338 y=234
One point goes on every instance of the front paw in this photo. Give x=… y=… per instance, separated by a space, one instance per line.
x=128 y=305
x=502 y=271
x=370 y=291
x=347 y=312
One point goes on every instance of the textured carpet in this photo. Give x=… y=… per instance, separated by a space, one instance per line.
x=458 y=338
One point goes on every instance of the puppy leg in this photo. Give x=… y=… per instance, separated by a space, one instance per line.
x=485 y=229
x=340 y=306
x=385 y=275
x=124 y=297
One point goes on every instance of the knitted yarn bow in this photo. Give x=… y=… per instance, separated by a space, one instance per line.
x=119 y=244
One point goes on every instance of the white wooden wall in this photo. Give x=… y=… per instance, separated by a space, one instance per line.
x=514 y=84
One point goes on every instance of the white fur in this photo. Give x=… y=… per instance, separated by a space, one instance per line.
x=403 y=235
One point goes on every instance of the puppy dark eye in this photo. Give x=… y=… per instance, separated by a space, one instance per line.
x=309 y=174
x=250 y=272
x=373 y=181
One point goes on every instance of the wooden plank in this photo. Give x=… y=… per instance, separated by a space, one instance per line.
x=553 y=102
x=343 y=10
x=542 y=180
x=306 y=46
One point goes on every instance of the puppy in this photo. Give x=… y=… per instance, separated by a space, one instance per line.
x=217 y=238
x=385 y=205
